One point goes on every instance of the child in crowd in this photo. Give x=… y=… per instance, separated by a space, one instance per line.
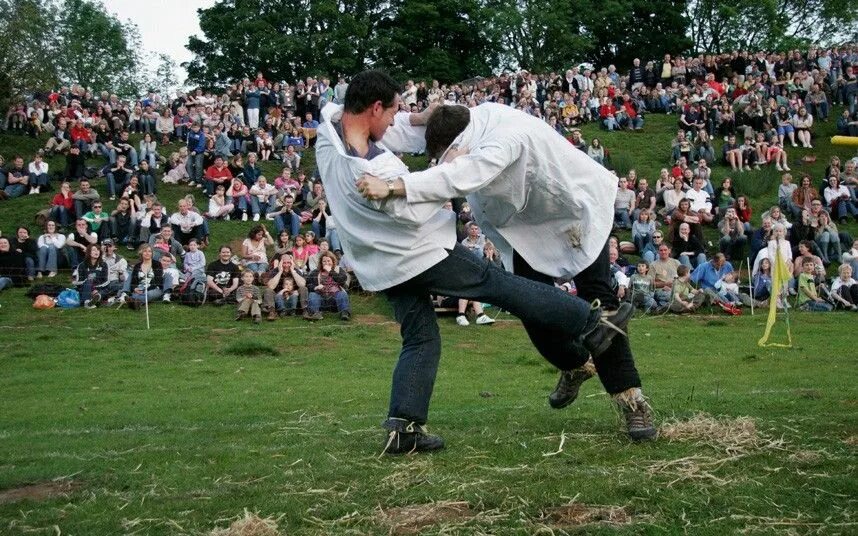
x=808 y=299
x=763 y=282
x=161 y=245
x=289 y=296
x=728 y=289
x=248 y=297
x=194 y=260
x=172 y=276
x=686 y=298
x=643 y=288
x=844 y=289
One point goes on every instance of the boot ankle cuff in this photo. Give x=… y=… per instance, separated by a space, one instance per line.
x=396 y=424
x=630 y=397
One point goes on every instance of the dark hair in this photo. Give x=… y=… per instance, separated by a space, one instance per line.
x=445 y=123
x=254 y=230
x=369 y=87
x=681 y=270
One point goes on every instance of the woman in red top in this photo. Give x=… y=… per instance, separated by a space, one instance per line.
x=607 y=113
x=62 y=206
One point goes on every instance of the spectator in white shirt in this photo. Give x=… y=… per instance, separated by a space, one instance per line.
x=701 y=202
x=187 y=224
x=38 y=171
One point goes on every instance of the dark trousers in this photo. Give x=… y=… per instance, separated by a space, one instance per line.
x=464 y=275
x=616 y=366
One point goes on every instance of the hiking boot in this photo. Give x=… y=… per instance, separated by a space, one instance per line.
x=239 y=316
x=257 y=319
x=411 y=438
x=568 y=385
x=603 y=326
x=346 y=315
x=272 y=315
x=313 y=316
x=637 y=413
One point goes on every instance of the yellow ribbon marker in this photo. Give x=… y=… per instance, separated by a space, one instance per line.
x=780 y=280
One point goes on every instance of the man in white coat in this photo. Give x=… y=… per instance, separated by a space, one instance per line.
x=549 y=210
x=409 y=251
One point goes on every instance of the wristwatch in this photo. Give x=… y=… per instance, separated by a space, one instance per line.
x=390 y=188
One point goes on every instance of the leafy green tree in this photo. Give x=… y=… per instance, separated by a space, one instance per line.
x=165 y=80
x=99 y=51
x=28 y=48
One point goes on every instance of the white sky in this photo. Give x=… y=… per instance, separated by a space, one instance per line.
x=165 y=26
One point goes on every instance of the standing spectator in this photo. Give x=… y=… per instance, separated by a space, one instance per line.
x=196 y=144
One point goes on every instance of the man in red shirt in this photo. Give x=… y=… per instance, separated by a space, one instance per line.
x=80 y=136
x=218 y=173
x=632 y=120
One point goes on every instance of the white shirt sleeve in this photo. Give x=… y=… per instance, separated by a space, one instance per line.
x=403 y=137
x=464 y=175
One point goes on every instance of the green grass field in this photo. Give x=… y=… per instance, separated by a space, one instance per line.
x=106 y=428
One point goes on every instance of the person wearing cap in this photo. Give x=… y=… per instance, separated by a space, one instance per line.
x=117 y=270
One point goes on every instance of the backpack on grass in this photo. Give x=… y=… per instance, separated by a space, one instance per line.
x=193 y=291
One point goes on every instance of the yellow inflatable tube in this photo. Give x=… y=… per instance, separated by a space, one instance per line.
x=844 y=140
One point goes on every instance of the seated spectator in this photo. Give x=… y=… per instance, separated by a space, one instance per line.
x=62 y=206
x=851 y=257
x=607 y=114
x=643 y=288
x=733 y=239
x=249 y=298
x=724 y=197
x=141 y=182
x=251 y=172
x=577 y=140
x=262 y=198
x=805 y=252
x=151 y=221
x=728 y=289
x=733 y=154
x=785 y=191
x=701 y=202
x=596 y=151
x=285 y=184
x=147 y=279
x=687 y=247
x=785 y=127
x=643 y=230
x=49 y=244
x=291 y=159
x=177 y=169
x=847 y=123
x=187 y=224
x=149 y=151
x=703 y=150
x=117 y=176
x=328 y=290
x=16 y=179
x=321 y=217
x=253 y=249
x=802 y=122
x=492 y=255
x=808 y=298
x=708 y=273
x=77 y=242
x=744 y=212
x=217 y=174
x=12 y=267
x=38 y=174
x=286 y=291
x=685 y=298
x=844 y=289
x=624 y=204
x=286 y=217
x=60 y=139
x=75 y=164
x=26 y=246
x=804 y=195
x=839 y=201
x=684 y=214
x=219 y=205
x=98 y=220
x=238 y=195
x=90 y=277
x=117 y=271
x=672 y=198
x=645 y=197
x=475 y=240
x=762 y=282
x=165 y=242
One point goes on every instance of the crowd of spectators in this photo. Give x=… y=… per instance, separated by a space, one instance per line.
x=760 y=104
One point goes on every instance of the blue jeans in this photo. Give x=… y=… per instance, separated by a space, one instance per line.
x=464 y=275
x=108 y=153
x=60 y=214
x=47 y=259
x=15 y=190
x=610 y=123
x=316 y=301
x=194 y=166
x=257 y=267
x=30 y=266
x=334 y=240
x=294 y=223
x=816 y=307
x=240 y=203
x=111 y=185
x=152 y=295
x=698 y=259
x=641 y=241
x=622 y=218
x=286 y=304
x=846 y=208
x=258 y=207
x=38 y=179
x=5 y=283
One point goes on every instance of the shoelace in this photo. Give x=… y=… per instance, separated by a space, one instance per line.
x=596 y=304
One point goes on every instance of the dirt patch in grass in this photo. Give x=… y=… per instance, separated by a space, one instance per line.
x=41 y=491
x=371 y=319
x=413 y=519
x=578 y=514
x=249 y=525
x=251 y=348
x=852 y=441
x=806 y=456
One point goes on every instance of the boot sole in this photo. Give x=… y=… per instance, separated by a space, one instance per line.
x=621 y=320
x=568 y=401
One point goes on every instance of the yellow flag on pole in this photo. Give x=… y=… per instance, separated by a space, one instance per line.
x=780 y=280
